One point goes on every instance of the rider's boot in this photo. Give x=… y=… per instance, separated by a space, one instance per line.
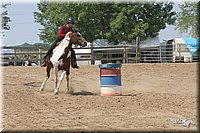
x=73 y=59
x=73 y=63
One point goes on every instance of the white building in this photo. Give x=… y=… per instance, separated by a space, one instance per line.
x=184 y=48
x=180 y=51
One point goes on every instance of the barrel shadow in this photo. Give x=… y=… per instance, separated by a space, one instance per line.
x=128 y=95
x=84 y=93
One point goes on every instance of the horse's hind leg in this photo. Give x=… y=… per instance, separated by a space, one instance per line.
x=56 y=79
x=60 y=80
x=67 y=79
x=48 y=69
x=43 y=84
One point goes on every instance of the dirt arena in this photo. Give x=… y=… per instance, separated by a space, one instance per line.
x=153 y=96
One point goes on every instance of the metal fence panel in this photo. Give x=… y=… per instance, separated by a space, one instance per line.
x=123 y=54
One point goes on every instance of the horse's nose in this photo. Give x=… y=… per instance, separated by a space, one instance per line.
x=85 y=43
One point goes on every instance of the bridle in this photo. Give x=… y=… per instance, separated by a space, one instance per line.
x=74 y=34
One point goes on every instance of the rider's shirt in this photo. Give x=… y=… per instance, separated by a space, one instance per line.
x=63 y=30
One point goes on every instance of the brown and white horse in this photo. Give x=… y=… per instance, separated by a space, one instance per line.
x=60 y=59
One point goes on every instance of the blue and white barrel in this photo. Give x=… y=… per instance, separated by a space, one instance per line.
x=110 y=79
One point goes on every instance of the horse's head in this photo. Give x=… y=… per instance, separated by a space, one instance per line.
x=77 y=38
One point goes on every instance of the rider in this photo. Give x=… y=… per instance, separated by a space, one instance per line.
x=61 y=35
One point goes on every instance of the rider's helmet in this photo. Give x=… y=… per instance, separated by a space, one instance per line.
x=70 y=21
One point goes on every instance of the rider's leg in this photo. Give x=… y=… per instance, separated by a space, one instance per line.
x=53 y=46
x=73 y=59
x=50 y=51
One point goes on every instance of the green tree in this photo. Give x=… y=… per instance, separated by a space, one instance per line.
x=141 y=20
x=187 y=18
x=5 y=18
x=89 y=16
x=113 y=21
x=94 y=19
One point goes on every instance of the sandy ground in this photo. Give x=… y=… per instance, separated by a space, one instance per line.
x=154 y=95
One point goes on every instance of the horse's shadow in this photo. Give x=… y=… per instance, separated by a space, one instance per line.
x=84 y=93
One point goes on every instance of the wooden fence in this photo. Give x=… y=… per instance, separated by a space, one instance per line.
x=111 y=54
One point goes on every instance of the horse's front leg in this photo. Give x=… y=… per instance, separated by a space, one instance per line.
x=60 y=80
x=68 y=90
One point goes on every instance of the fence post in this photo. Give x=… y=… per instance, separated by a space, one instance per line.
x=124 y=60
x=92 y=54
x=179 y=53
x=125 y=54
x=40 y=55
x=15 y=57
x=160 y=53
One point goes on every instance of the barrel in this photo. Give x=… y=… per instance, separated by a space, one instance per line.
x=110 y=79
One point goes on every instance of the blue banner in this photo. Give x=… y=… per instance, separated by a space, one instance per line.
x=192 y=44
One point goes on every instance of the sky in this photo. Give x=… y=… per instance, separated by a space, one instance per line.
x=24 y=29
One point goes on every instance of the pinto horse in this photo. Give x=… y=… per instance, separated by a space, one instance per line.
x=60 y=59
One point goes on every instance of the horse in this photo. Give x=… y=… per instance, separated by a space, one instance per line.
x=60 y=59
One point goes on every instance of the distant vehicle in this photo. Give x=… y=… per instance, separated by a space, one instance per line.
x=6 y=63
x=7 y=51
x=29 y=63
x=7 y=57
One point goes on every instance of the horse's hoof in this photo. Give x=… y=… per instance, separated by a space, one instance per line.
x=56 y=93
x=41 y=89
x=68 y=92
x=71 y=91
